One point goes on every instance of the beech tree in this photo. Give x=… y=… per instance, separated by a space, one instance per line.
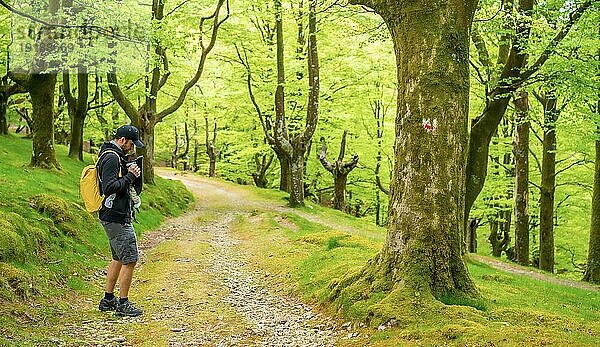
x=548 y=184
x=262 y=162
x=521 y=150
x=514 y=72
x=147 y=115
x=289 y=147
x=592 y=270
x=340 y=170
x=40 y=84
x=7 y=89
x=211 y=148
x=422 y=255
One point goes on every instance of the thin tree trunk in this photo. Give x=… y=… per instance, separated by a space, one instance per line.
x=592 y=270
x=522 y=180
x=548 y=185
x=211 y=149
x=77 y=112
x=3 y=119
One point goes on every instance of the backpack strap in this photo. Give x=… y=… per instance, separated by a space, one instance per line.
x=98 y=161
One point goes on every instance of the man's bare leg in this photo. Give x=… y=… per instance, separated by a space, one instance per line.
x=113 y=274
x=126 y=276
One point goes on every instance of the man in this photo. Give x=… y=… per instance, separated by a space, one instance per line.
x=115 y=216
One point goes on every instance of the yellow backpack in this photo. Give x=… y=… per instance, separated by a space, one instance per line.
x=89 y=185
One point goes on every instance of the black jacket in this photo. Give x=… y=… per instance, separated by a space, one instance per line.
x=116 y=206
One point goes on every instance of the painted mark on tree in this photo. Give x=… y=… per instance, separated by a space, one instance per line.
x=430 y=125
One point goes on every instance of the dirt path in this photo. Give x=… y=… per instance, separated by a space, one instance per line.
x=524 y=271
x=197 y=289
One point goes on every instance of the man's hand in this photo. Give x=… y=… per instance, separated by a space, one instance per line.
x=134 y=169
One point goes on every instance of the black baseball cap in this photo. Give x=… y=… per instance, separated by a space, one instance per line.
x=131 y=133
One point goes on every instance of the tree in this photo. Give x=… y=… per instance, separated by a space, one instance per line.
x=177 y=153
x=339 y=170
x=147 y=115
x=211 y=149
x=291 y=148
x=262 y=165
x=421 y=257
x=522 y=179
x=77 y=109
x=285 y=180
x=592 y=269
x=514 y=73
x=7 y=90
x=548 y=184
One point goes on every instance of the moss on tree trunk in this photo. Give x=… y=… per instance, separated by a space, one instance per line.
x=41 y=90
x=521 y=149
x=422 y=257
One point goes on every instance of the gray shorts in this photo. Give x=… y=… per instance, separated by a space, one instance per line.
x=123 y=243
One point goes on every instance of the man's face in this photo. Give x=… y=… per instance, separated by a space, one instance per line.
x=127 y=145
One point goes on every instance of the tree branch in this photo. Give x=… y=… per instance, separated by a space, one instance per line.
x=573 y=18
x=205 y=51
x=121 y=99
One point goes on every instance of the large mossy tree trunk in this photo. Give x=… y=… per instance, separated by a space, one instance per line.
x=41 y=90
x=521 y=146
x=548 y=184
x=422 y=253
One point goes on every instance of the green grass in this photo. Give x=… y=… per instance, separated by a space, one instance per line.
x=49 y=245
x=514 y=310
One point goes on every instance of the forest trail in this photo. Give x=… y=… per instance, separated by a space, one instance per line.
x=197 y=288
x=195 y=182
x=524 y=271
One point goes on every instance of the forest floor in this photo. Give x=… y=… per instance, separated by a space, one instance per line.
x=198 y=285
x=198 y=289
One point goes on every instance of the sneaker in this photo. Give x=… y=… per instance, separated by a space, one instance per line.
x=108 y=304
x=127 y=309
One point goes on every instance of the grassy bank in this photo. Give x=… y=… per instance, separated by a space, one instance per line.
x=309 y=255
x=50 y=246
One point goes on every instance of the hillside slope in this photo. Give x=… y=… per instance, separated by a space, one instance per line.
x=49 y=245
